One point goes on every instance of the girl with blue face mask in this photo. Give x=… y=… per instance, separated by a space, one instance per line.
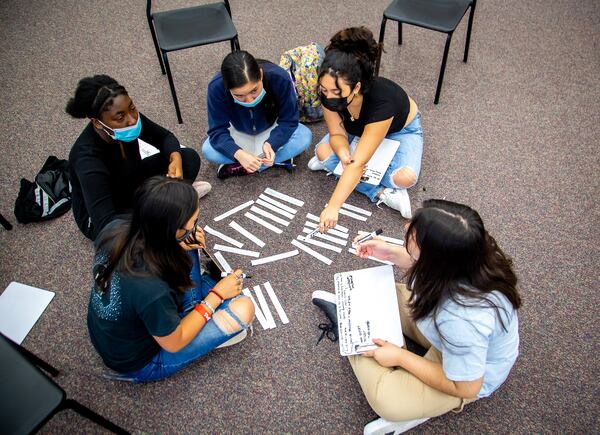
x=252 y=117
x=105 y=162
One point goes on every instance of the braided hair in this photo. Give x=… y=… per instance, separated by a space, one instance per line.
x=93 y=96
x=351 y=55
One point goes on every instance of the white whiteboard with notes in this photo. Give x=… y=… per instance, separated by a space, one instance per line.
x=367 y=308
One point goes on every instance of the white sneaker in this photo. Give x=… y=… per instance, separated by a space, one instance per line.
x=235 y=339
x=315 y=164
x=381 y=426
x=398 y=200
x=202 y=188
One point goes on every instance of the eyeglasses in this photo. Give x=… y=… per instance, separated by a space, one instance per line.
x=190 y=234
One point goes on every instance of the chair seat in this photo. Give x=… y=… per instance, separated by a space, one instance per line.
x=190 y=27
x=439 y=15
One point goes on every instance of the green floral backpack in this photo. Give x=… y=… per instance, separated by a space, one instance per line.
x=302 y=63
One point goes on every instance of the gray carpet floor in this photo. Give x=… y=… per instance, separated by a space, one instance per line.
x=515 y=136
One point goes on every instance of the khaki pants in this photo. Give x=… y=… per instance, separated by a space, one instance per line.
x=394 y=393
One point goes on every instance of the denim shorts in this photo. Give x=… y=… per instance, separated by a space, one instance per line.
x=409 y=154
x=165 y=364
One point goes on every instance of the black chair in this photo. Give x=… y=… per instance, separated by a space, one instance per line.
x=6 y=224
x=29 y=398
x=189 y=27
x=439 y=15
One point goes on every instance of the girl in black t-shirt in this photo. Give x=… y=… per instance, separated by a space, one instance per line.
x=357 y=104
x=152 y=312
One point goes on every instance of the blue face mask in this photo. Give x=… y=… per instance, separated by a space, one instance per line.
x=254 y=102
x=125 y=134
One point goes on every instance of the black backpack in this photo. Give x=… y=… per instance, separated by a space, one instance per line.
x=48 y=197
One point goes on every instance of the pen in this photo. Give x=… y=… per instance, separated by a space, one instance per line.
x=369 y=236
x=312 y=233
x=243 y=275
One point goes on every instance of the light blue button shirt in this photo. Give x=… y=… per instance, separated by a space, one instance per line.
x=475 y=342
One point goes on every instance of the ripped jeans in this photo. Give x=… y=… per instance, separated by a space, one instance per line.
x=165 y=364
x=409 y=154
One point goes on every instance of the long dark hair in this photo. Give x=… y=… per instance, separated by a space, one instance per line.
x=146 y=245
x=351 y=55
x=240 y=68
x=93 y=96
x=458 y=260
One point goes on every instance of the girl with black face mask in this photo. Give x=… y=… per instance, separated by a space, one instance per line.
x=357 y=104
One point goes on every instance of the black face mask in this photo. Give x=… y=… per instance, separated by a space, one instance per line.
x=335 y=104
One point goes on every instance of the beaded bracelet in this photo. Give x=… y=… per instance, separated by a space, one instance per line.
x=209 y=306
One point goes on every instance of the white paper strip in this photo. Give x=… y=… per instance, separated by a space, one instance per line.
x=264 y=307
x=224 y=264
x=356 y=209
x=387 y=239
x=275 y=257
x=326 y=237
x=319 y=244
x=275 y=302
x=338 y=227
x=244 y=232
x=312 y=252
x=332 y=232
x=263 y=222
x=274 y=208
x=271 y=216
x=352 y=215
x=353 y=251
x=245 y=252
x=284 y=197
x=277 y=203
x=222 y=236
x=259 y=315
x=234 y=210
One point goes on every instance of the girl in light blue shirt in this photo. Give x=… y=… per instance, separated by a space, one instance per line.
x=461 y=304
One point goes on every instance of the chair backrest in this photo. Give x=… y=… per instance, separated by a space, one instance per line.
x=149 y=7
x=29 y=396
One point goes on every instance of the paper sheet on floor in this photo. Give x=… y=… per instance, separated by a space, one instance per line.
x=353 y=251
x=312 y=252
x=353 y=215
x=274 y=208
x=257 y=311
x=264 y=306
x=263 y=222
x=276 y=303
x=284 y=197
x=234 y=210
x=333 y=232
x=320 y=244
x=245 y=252
x=271 y=216
x=244 y=232
x=222 y=236
x=341 y=242
x=386 y=238
x=275 y=257
x=315 y=218
x=224 y=264
x=277 y=203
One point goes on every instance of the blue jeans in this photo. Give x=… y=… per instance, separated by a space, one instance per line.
x=165 y=364
x=298 y=142
x=409 y=155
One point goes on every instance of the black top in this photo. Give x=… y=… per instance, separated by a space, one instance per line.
x=123 y=319
x=105 y=175
x=385 y=99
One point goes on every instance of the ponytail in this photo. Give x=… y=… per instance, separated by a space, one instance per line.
x=93 y=96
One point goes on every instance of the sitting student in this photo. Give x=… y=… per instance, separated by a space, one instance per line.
x=252 y=117
x=151 y=311
x=355 y=103
x=460 y=304
x=105 y=163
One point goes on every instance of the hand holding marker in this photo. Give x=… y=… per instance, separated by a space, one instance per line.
x=369 y=236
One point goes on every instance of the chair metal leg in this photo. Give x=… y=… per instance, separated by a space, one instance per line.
x=153 y=32
x=399 y=33
x=96 y=418
x=172 y=86
x=470 y=25
x=6 y=224
x=442 y=69
x=381 y=38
